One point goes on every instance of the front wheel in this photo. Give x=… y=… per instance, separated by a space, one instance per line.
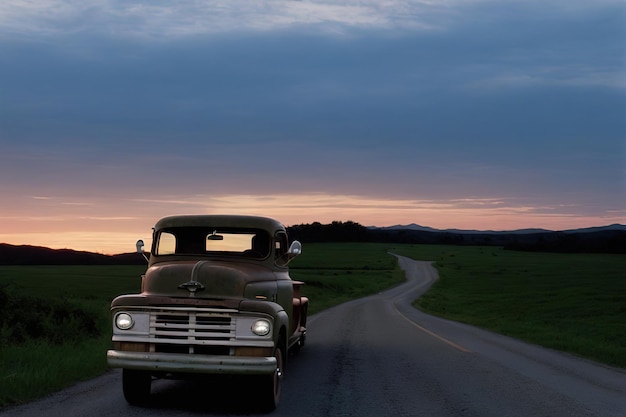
x=136 y=386
x=269 y=386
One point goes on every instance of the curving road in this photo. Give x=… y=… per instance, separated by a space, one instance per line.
x=378 y=356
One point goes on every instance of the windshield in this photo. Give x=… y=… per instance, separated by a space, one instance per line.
x=253 y=243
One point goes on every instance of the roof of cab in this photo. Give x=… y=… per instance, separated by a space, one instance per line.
x=220 y=220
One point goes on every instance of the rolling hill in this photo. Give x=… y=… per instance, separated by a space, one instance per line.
x=606 y=239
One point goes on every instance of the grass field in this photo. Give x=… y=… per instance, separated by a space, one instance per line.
x=570 y=302
x=339 y=272
x=55 y=325
x=42 y=306
x=575 y=303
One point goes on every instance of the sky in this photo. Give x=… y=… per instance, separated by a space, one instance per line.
x=468 y=114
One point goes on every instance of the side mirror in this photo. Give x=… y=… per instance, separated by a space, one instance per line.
x=140 y=246
x=295 y=249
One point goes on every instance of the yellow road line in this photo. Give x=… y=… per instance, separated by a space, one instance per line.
x=435 y=335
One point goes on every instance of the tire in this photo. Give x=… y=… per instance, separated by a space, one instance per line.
x=270 y=385
x=136 y=386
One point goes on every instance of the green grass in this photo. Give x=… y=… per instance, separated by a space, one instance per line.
x=337 y=272
x=35 y=369
x=55 y=325
x=99 y=283
x=570 y=302
x=575 y=303
x=44 y=349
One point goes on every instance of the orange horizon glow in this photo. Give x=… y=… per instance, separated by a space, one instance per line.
x=114 y=228
x=313 y=112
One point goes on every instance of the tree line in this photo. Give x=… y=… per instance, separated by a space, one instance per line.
x=603 y=241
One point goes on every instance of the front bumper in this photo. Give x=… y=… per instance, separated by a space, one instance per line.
x=184 y=363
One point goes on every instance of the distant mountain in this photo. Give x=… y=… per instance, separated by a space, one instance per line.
x=620 y=227
x=38 y=255
x=411 y=226
x=417 y=227
x=605 y=239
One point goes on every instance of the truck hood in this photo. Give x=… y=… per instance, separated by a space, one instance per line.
x=203 y=279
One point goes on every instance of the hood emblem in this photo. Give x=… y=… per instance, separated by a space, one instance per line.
x=192 y=287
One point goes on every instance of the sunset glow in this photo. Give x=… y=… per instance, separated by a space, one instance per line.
x=98 y=228
x=458 y=115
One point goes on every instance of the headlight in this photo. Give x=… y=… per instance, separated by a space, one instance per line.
x=261 y=327
x=124 y=321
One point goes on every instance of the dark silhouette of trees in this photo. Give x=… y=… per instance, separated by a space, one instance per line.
x=37 y=255
x=336 y=231
x=601 y=241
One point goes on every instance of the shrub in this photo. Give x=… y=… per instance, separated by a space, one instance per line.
x=54 y=321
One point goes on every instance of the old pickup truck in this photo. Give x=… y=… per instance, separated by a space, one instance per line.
x=216 y=298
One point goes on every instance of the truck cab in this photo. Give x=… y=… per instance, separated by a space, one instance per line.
x=216 y=298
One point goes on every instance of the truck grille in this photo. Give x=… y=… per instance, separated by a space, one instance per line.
x=191 y=331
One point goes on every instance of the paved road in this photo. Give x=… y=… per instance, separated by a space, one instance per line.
x=378 y=356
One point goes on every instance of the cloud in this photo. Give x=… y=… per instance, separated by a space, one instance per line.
x=305 y=207
x=104 y=242
x=109 y=218
x=158 y=20
x=163 y=20
x=468 y=108
x=563 y=76
x=114 y=227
